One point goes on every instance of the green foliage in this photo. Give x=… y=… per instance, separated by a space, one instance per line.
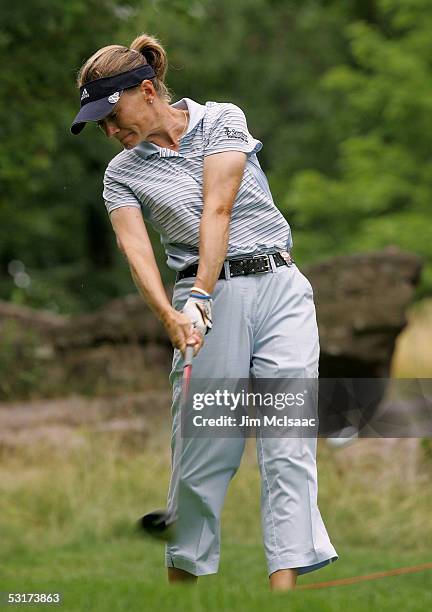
x=264 y=55
x=20 y=365
x=339 y=93
x=50 y=198
x=381 y=190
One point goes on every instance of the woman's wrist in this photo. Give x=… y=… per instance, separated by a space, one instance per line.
x=200 y=292
x=168 y=314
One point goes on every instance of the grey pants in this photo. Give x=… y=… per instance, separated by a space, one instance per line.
x=265 y=326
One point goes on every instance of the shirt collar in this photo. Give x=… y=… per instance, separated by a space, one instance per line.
x=196 y=113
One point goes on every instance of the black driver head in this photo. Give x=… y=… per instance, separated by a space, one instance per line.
x=157 y=524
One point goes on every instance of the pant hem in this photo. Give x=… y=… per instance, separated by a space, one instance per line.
x=190 y=566
x=303 y=564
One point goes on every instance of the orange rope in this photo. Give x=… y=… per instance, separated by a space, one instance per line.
x=354 y=579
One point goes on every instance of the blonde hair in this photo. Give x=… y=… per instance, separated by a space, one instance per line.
x=114 y=59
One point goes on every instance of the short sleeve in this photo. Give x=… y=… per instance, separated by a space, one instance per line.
x=229 y=132
x=117 y=194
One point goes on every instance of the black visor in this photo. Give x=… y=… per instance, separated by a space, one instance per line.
x=99 y=96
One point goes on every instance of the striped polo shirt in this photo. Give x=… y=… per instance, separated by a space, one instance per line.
x=167 y=186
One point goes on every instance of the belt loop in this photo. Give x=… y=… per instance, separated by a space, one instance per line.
x=227 y=270
x=272 y=263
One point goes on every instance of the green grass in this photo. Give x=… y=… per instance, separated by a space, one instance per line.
x=127 y=573
x=67 y=524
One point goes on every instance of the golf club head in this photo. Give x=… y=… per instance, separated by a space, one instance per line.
x=158 y=524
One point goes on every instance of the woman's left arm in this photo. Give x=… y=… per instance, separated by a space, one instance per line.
x=223 y=173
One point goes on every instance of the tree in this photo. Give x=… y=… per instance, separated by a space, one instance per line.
x=51 y=210
x=381 y=190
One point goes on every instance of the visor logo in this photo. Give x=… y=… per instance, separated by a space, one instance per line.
x=114 y=98
x=85 y=94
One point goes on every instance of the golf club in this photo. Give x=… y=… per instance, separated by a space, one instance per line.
x=160 y=523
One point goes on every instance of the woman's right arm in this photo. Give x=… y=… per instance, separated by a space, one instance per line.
x=134 y=242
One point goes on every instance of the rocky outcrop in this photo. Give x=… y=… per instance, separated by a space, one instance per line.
x=361 y=302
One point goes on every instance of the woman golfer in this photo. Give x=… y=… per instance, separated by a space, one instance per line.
x=191 y=170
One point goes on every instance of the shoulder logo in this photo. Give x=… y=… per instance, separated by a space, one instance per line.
x=85 y=94
x=232 y=133
x=114 y=98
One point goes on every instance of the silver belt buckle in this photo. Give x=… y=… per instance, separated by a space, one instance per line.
x=267 y=267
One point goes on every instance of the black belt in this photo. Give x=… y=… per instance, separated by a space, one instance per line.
x=242 y=267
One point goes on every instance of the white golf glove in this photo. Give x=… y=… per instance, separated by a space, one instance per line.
x=198 y=309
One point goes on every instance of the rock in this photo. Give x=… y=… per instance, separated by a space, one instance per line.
x=121 y=321
x=361 y=301
x=361 y=304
